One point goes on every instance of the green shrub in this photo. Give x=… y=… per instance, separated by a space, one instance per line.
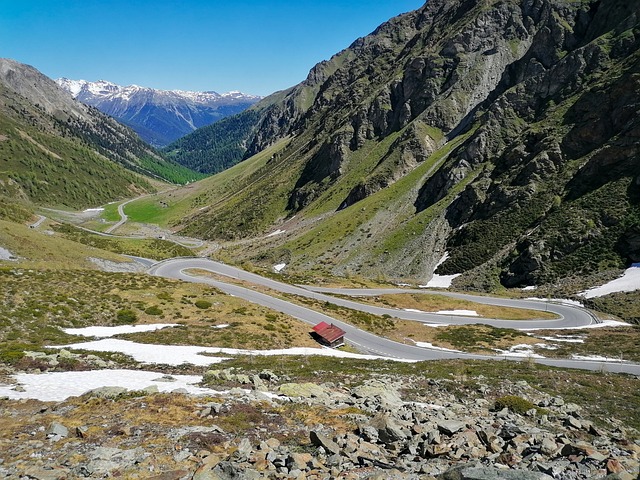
x=11 y=355
x=514 y=404
x=126 y=317
x=153 y=310
x=203 y=304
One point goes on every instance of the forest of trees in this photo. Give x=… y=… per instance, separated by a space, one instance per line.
x=216 y=147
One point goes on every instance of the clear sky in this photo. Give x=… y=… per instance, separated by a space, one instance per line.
x=255 y=46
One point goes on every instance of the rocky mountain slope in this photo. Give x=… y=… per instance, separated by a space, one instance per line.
x=58 y=151
x=504 y=133
x=158 y=116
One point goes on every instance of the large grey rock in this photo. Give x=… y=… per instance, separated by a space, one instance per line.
x=465 y=472
x=449 y=427
x=56 y=429
x=107 y=392
x=244 y=450
x=303 y=390
x=320 y=440
x=389 y=430
x=383 y=392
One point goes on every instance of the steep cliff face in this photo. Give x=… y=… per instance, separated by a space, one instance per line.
x=503 y=132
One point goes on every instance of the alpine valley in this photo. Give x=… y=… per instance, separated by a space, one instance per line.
x=358 y=254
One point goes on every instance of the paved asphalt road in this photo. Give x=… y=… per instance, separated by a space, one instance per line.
x=571 y=316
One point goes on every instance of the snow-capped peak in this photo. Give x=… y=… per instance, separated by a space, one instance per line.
x=74 y=87
x=105 y=90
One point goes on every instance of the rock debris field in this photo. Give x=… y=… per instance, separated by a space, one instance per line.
x=273 y=428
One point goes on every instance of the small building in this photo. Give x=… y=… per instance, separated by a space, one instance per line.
x=329 y=335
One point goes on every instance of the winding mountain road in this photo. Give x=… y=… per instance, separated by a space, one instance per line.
x=570 y=315
x=123 y=216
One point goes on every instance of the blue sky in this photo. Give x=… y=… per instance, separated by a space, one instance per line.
x=249 y=45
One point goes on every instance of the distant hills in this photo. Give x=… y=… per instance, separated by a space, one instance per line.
x=57 y=151
x=506 y=134
x=158 y=116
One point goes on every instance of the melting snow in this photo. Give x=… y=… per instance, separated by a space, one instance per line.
x=279 y=267
x=222 y=325
x=596 y=358
x=179 y=354
x=57 y=386
x=530 y=287
x=277 y=232
x=563 y=338
x=520 y=350
x=104 y=332
x=565 y=301
x=628 y=282
x=467 y=313
x=602 y=324
x=433 y=347
x=6 y=254
x=440 y=281
x=93 y=210
x=413 y=310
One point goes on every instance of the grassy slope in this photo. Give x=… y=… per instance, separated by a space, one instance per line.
x=171 y=207
x=58 y=171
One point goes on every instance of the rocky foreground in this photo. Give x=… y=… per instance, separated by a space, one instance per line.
x=382 y=428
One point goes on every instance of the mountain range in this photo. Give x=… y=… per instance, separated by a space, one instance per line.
x=59 y=152
x=158 y=116
x=493 y=142
x=497 y=140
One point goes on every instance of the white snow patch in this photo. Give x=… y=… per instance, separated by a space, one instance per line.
x=222 y=325
x=440 y=281
x=104 y=332
x=403 y=285
x=520 y=350
x=628 y=282
x=433 y=347
x=6 y=255
x=565 y=301
x=596 y=358
x=413 y=310
x=277 y=232
x=279 y=267
x=57 y=386
x=602 y=324
x=94 y=210
x=466 y=313
x=563 y=338
x=180 y=354
x=430 y=406
x=530 y=287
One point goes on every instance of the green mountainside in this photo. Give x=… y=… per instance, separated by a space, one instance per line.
x=504 y=133
x=55 y=151
x=221 y=145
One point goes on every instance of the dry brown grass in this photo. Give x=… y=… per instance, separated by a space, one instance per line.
x=429 y=302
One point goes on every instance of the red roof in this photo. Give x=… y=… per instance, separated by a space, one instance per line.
x=330 y=333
